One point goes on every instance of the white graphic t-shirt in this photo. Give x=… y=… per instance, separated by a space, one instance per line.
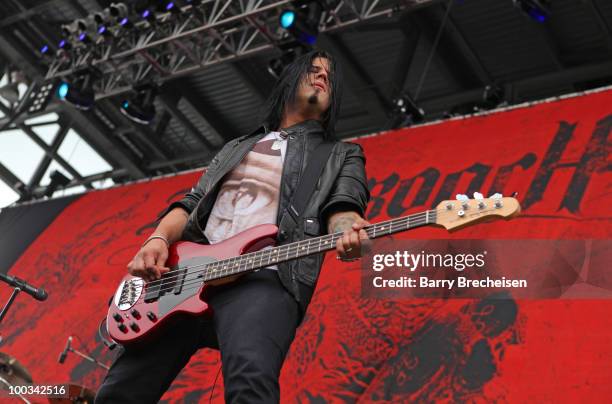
x=249 y=193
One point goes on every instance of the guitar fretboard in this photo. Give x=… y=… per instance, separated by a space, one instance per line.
x=251 y=261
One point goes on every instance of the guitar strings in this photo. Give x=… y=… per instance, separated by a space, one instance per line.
x=196 y=282
x=257 y=254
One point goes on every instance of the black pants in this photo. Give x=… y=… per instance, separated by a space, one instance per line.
x=253 y=325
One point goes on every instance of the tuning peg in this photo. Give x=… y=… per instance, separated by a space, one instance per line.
x=497 y=197
x=478 y=196
x=464 y=201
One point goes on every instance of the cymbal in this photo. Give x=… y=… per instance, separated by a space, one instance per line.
x=12 y=371
x=77 y=394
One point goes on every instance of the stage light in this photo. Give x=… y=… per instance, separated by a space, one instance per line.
x=62 y=90
x=405 y=112
x=102 y=17
x=303 y=22
x=493 y=96
x=118 y=11
x=44 y=49
x=538 y=10
x=287 y=18
x=10 y=92
x=40 y=97
x=79 y=92
x=140 y=107
x=146 y=9
x=57 y=180
x=86 y=24
x=69 y=30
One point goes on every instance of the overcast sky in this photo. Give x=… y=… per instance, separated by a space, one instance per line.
x=22 y=156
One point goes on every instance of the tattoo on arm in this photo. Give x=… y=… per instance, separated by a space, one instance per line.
x=342 y=221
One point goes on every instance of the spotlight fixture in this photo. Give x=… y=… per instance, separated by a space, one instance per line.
x=39 y=99
x=86 y=24
x=79 y=92
x=493 y=96
x=58 y=180
x=140 y=107
x=69 y=30
x=539 y=10
x=118 y=11
x=64 y=44
x=10 y=91
x=405 y=112
x=119 y=15
x=146 y=9
x=303 y=21
x=102 y=17
x=175 y=6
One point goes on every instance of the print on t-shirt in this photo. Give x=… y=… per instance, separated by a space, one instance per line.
x=249 y=194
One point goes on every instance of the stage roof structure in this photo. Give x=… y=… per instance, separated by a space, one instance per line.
x=446 y=57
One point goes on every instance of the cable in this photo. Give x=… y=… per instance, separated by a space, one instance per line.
x=214 y=384
x=109 y=344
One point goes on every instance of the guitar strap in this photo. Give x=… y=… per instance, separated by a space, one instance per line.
x=308 y=182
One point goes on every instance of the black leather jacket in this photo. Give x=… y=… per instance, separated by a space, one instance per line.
x=343 y=184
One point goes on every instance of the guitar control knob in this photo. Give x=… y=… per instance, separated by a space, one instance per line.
x=135 y=314
x=117 y=317
x=123 y=328
x=151 y=316
x=134 y=327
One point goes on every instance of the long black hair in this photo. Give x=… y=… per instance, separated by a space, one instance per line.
x=286 y=87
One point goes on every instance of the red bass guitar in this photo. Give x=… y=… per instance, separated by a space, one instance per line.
x=139 y=308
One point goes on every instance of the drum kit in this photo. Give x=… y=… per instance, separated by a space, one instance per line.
x=13 y=373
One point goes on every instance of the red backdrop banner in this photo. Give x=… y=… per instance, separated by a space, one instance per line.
x=349 y=348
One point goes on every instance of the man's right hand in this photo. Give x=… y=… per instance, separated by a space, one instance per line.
x=150 y=261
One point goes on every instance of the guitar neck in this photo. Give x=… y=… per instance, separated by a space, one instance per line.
x=259 y=259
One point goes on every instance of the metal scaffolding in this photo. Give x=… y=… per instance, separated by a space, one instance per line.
x=214 y=32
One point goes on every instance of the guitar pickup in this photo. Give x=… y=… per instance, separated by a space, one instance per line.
x=180 y=279
x=152 y=292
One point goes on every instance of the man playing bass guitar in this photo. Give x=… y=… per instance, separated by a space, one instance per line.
x=250 y=182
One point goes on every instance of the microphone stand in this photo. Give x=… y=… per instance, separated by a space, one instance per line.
x=20 y=285
x=89 y=358
x=7 y=305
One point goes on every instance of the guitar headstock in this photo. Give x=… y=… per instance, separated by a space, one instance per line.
x=465 y=211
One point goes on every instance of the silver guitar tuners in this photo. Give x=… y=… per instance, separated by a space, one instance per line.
x=478 y=196
x=497 y=198
x=464 y=201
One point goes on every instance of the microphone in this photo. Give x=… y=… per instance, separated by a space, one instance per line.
x=62 y=357
x=37 y=293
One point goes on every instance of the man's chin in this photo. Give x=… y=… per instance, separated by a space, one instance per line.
x=313 y=99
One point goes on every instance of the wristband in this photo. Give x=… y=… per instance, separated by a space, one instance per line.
x=153 y=238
